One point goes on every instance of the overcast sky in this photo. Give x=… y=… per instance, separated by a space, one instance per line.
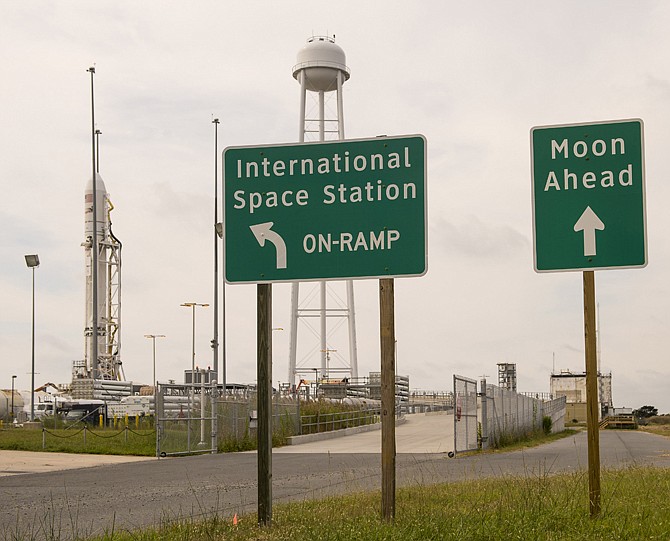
x=473 y=77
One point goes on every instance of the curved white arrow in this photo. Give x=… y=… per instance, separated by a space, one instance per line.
x=589 y=222
x=264 y=232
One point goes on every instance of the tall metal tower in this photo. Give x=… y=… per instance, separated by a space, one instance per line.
x=507 y=376
x=321 y=71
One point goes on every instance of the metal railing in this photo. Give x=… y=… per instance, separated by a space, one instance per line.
x=326 y=422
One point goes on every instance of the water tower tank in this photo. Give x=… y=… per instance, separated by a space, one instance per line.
x=319 y=62
x=321 y=69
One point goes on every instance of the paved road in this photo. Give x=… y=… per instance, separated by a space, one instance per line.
x=424 y=433
x=137 y=494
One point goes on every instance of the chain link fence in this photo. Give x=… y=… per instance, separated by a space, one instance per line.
x=185 y=419
x=497 y=416
x=510 y=415
x=237 y=420
x=465 y=414
x=507 y=416
x=200 y=418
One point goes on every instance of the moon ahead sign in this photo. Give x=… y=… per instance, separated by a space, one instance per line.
x=589 y=196
x=321 y=211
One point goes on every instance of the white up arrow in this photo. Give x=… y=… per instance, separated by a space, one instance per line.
x=264 y=232
x=589 y=222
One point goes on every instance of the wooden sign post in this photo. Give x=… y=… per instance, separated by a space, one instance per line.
x=592 y=425
x=387 y=338
x=264 y=402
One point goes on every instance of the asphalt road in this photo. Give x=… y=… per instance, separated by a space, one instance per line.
x=136 y=494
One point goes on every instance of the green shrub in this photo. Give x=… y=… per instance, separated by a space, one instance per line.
x=546 y=424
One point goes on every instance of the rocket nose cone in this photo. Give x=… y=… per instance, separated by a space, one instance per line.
x=99 y=187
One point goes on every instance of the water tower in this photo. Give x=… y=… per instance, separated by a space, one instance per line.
x=321 y=71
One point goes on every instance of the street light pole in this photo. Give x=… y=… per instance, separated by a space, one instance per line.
x=153 y=338
x=192 y=305
x=215 y=341
x=33 y=261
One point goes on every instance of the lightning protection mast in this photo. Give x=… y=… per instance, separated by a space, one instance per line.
x=321 y=71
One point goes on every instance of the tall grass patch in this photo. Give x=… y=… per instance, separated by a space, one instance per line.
x=95 y=441
x=636 y=505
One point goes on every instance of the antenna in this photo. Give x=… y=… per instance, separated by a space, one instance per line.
x=94 y=239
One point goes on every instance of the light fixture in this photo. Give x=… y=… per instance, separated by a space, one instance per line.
x=32 y=260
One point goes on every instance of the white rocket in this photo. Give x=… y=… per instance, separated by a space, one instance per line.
x=108 y=277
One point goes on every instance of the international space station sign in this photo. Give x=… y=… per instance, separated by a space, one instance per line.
x=344 y=209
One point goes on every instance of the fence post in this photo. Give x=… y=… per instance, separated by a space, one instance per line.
x=85 y=429
x=484 y=410
x=299 y=417
x=44 y=438
x=158 y=413
x=215 y=418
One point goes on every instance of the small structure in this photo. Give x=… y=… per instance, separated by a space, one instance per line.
x=572 y=385
x=507 y=376
x=199 y=376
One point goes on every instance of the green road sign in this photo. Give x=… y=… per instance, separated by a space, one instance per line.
x=588 y=196
x=337 y=210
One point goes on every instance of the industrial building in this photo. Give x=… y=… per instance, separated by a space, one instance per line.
x=572 y=385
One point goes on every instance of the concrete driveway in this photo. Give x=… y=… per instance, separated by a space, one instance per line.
x=419 y=433
x=18 y=462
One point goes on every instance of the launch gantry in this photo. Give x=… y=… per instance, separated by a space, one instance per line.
x=108 y=365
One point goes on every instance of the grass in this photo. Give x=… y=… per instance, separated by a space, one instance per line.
x=98 y=441
x=659 y=424
x=534 y=439
x=661 y=430
x=635 y=505
x=324 y=416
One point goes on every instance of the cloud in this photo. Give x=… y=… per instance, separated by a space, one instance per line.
x=473 y=78
x=474 y=238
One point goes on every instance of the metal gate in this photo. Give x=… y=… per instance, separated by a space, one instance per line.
x=465 y=414
x=186 y=421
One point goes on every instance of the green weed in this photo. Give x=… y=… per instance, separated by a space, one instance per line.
x=636 y=505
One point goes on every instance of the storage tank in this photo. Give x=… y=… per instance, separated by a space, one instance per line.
x=6 y=403
x=320 y=62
